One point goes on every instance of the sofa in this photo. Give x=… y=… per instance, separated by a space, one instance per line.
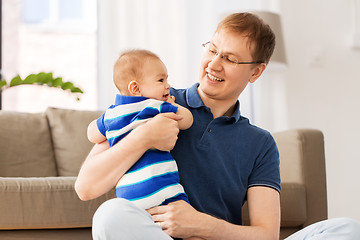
x=41 y=154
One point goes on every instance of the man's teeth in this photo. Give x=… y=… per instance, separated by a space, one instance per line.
x=215 y=78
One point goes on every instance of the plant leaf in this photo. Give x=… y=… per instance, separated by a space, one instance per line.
x=31 y=79
x=76 y=90
x=57 y=82
x=2 y=83
x=67 y=85
x=41 y=79
x=44 y=78
x=16 y=81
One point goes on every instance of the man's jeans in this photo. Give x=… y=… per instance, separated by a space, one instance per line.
x=119 y=219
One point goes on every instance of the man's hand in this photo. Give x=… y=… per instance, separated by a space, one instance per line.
x=178 y=219
x=161 y=131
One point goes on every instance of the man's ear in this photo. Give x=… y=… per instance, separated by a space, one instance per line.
x=133 y=88
x=259 y=69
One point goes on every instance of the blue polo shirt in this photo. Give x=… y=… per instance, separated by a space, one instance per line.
x=219 y=159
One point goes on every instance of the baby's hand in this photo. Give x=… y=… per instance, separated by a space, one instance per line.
x=171 y=99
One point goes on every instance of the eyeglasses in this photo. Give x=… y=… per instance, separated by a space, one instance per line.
x=211 y=51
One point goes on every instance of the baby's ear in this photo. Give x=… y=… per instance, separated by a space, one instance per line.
x=133 y=88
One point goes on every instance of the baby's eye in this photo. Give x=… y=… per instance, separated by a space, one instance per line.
x=161 y=80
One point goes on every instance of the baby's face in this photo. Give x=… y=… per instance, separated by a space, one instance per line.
x=154 y=83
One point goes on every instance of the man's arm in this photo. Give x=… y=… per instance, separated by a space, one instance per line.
x=104 y=166
x=179 y=219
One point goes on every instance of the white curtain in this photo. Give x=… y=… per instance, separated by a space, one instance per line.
x=173 y=29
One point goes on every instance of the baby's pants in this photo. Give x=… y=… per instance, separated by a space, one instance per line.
x=118 y=219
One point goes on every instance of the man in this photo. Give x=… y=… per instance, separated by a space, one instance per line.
x=223 y=160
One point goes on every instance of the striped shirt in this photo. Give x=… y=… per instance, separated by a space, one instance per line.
x=153 y=180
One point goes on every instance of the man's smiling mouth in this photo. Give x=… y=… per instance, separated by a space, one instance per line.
x=214 y=78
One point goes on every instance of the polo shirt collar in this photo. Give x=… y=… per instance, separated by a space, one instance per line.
x=123 y=99
x=237 y=115
x=194 y=100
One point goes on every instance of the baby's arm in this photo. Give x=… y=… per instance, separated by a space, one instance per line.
x=93 y=133
x=187 y=119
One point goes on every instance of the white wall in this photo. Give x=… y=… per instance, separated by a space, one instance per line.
x=158 y=25
x=323 y=90
x=172 y=29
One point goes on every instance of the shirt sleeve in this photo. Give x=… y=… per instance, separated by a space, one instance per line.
x=168 y=107
x=100 y=124
x=266 y=171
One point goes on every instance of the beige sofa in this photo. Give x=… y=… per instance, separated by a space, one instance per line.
x=40 y=156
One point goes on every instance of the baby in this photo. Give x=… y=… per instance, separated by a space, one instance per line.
x=141 y=78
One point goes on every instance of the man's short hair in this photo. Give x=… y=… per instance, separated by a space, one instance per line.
x=255 y=29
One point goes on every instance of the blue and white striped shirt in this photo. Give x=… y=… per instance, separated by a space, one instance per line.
x=153 y=180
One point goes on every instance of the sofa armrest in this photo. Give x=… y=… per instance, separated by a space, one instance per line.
x=302 y=161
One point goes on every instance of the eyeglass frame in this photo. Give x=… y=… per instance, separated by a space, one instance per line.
x=224 y=56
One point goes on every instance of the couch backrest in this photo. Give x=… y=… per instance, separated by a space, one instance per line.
x=68 y=130
x=290 y=146
x=25 y=145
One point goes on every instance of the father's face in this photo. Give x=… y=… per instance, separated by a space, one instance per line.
x=219 y=78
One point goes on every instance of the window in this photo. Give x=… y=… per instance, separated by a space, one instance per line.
x=35 y=11
x=57 y=36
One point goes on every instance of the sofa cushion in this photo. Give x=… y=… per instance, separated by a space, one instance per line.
x=50 y=202
x=25 y=145
x=68 y=130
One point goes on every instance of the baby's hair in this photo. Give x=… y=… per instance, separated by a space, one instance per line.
x=128 y=67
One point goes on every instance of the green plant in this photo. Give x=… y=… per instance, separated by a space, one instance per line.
x=41 y=79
